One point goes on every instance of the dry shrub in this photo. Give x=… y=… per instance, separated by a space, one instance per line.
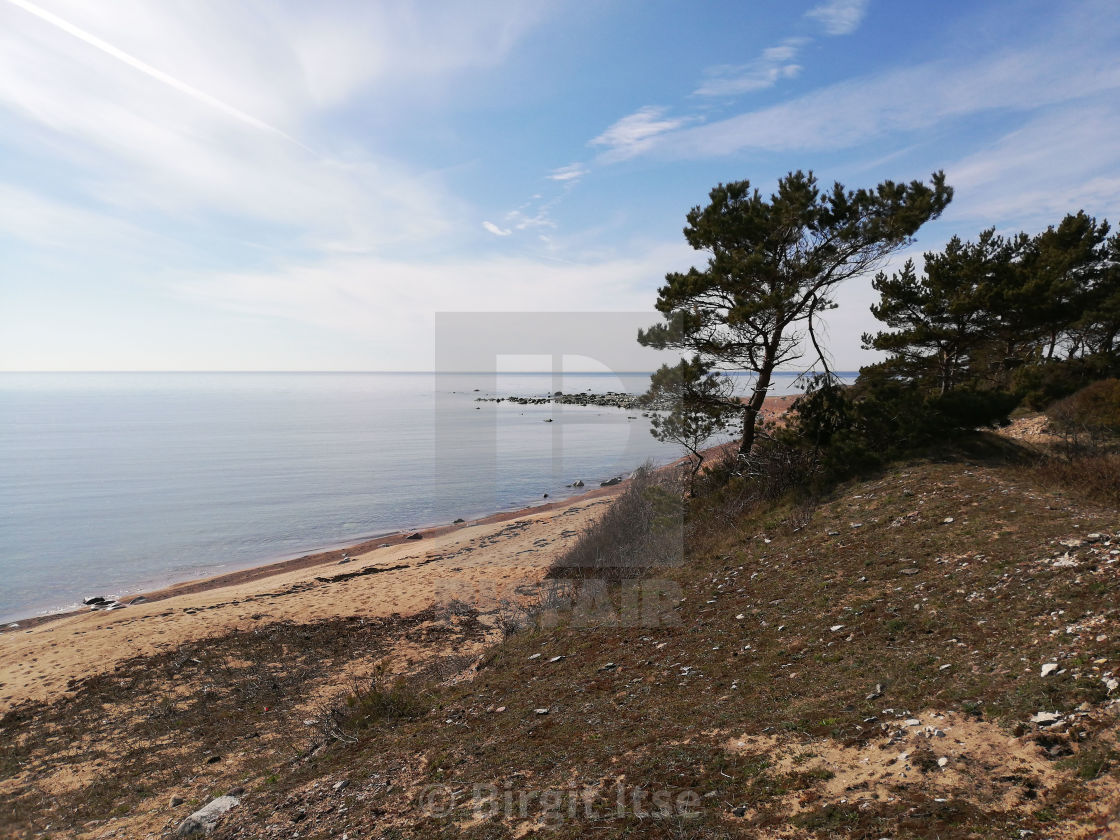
x=1094 y=476
x=380 y=699
x=734 y=487
x=1091 y=415
x=641 y=530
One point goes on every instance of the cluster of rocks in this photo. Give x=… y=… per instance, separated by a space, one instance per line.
x=611 y=399
x=97 y=602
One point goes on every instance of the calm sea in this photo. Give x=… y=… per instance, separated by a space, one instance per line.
x=117 y=483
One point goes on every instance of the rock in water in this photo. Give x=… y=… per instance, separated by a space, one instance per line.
x=611 y=483
x=205 y=819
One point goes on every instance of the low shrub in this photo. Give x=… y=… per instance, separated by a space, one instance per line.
x=852 y=430
x=1093 y=411
x=1094 y=476
x=1042 y=384
x=641 y=530
x=379 y=699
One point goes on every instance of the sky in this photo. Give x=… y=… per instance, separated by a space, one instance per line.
x=283 y=185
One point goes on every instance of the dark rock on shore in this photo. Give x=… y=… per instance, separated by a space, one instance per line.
x=611 y=482
x=416 y=536
x=611 y=399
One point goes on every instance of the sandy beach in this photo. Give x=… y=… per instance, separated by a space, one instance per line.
x=481 y=563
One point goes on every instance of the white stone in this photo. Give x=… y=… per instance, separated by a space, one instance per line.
x=205 y=819
x=1049 y=668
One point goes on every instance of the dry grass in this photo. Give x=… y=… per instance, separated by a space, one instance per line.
x=640 y=531
x=1094 y=476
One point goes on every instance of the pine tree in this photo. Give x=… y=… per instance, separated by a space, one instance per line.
x=772 y=265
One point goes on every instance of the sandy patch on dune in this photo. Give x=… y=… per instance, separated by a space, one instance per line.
x=977 y=755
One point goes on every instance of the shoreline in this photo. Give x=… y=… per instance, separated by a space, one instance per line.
x=773 y=407
x=316 y=557
x=490 y=563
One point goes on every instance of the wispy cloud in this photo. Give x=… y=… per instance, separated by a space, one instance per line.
x=849 y=113
x=149 y=70
x=497 y=231
x=768 y=69
x=122 y=101
x=1063 y=160
x=393 y=300
x=636 y=133
x=571 y=172
x=839 y=17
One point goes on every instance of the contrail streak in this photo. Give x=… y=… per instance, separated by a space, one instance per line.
x=155 y=73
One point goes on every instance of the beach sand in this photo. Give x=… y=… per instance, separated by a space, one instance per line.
x=481 y=563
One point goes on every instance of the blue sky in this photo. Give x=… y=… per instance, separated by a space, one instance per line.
x=198 y=185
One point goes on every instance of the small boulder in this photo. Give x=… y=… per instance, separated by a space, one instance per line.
x=205 y=819
x=415 y=536
x=95 y=599
x=611 y=482
x=1049 y=668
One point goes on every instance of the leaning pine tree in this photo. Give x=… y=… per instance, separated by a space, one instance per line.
x=772 y=266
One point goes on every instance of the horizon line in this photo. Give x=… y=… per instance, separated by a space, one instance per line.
x=358 y=372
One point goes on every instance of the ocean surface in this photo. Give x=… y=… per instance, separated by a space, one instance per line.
x=116 y=483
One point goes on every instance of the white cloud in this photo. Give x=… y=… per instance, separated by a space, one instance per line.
x=906 y=99
x=160 y=108
x=1062 y=161
x=392 y=303
x=147 y=69
x=63 y=228
x=775 y=63
x=497 y=231
x=636 y=133
x=839 y=17
x=571 y=172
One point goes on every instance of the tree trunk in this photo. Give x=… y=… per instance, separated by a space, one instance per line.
x=754 y=405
